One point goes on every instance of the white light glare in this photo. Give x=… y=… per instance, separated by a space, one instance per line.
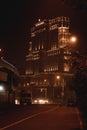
x=1 y=88
x=17 y=102
x=41 y=101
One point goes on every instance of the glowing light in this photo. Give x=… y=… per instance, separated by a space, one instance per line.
x=45 y=80
x=17 y=102
x=41 y=101
x=35 y=101
x=39 y=24
x=1 y=88
x=66 y=67
x=58 y=77
x=27 y=84
x=39 y=20
x=73 y=39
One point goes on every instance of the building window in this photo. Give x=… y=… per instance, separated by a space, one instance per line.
x=66 y=67
x=66 y=57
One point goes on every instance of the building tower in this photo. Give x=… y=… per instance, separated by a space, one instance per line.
x=46 y=36
x=48 y=56
x=63 y=32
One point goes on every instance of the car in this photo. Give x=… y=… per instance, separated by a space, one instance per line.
x=40 y=101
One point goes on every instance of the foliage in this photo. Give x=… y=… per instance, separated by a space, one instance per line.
x=80 y=79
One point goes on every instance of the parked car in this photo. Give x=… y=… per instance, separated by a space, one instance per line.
x=40 y=101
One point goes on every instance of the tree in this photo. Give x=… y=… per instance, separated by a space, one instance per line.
x=80 y=79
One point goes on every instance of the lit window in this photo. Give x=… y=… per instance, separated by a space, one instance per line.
x=44 y=70
x=42 y=46
x=66 y=67
x=39 y=47
x=51 y=69
x=66 y=57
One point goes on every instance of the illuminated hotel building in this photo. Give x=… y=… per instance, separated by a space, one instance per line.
x=49 y=57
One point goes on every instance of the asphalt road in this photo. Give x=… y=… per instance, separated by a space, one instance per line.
x=41 y=117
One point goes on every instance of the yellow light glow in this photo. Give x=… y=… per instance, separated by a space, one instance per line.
x=41 y=101
x=45 y=80
x=35 y=101
x=27 y=84
x=58 y=77
x=17 y=102
x=73 y=39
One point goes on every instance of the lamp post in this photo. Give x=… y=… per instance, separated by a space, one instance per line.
x=62 y=85
x=55 y=86
x=45 y=89
x=58 y=77
x=72 y=41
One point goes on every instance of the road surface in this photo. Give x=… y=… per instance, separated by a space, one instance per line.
x=42 y=117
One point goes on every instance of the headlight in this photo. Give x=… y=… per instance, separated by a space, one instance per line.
x=42 y=101
x=17 y=102
x=35 y=101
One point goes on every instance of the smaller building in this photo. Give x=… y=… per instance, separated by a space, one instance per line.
x=8 y=82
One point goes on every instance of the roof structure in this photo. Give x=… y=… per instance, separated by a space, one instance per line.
x=9 y=66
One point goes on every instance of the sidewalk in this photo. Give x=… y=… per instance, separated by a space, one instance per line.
x=7 y=108
x=84 y=120
x=83 y=116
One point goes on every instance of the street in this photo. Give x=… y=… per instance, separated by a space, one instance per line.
x=42 y=117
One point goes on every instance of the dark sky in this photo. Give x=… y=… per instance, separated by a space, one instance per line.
x=17 y=17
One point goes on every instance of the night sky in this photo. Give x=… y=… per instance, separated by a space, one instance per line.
x=17 y=17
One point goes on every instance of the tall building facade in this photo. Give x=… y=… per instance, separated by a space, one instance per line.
x=48 y=66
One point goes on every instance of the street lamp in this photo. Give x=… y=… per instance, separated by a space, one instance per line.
x=1 y=88
x=73 y=39
x=58 y=77
x=62 y=84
